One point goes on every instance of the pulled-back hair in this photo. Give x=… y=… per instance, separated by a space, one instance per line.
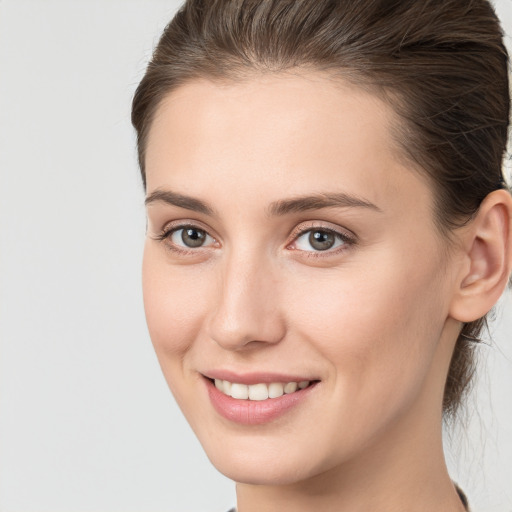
x=441 y=64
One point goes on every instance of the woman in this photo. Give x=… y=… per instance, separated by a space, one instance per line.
x=328 y=226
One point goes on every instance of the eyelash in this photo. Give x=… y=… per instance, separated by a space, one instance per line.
x=345 y=239
x=167 y=233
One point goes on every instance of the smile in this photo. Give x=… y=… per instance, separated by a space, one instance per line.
x=259 y=391
x=254 y=403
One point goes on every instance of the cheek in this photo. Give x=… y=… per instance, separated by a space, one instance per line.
x=378 y=326
x=173 y=298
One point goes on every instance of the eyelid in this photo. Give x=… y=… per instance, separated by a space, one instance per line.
x=183 y=224
x=306 y=226
x=173 y=233
x=170 y=228
x=348 y=237
x=344 y=234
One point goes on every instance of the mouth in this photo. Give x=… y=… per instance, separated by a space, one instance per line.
x=256 y=402
x=260 y=391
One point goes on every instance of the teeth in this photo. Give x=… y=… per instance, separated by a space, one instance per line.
x=291 y=387
x=240 y=391
x=259 y=391
x=275 y=390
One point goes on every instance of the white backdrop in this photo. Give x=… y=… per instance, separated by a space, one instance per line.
x=86 y=420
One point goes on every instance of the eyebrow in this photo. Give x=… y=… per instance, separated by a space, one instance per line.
x=319 y=201
x=277 y=208
x=180 y=200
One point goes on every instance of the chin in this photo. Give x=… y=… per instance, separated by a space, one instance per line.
x=276 y=464
x=262 y=473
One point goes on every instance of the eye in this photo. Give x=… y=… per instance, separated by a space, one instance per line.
x=190 y=237
x=319 y=240
x=185 y=238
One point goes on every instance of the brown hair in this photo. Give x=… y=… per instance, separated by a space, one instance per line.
x=441 y=63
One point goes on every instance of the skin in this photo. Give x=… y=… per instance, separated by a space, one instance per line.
x=372 y=318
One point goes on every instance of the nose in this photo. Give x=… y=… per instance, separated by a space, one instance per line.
x=248 y=312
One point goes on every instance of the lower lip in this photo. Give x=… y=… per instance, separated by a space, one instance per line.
x=255 y=412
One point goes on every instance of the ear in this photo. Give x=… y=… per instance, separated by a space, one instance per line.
x=487 y=259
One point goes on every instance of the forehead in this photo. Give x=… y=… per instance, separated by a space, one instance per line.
x=296 y=106
x=276 y=133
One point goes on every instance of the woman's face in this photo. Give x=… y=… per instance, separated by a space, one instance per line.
x=288 y=242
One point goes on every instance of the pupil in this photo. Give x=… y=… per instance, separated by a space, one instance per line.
x=321 y=240
x=193 y=237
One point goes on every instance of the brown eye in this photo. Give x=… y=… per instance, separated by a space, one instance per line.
x=193 y=237
x=321 y=240
x=190 y=237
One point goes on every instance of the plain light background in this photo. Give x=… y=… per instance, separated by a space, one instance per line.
x=86 y=420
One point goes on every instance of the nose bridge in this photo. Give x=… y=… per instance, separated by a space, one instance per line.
x=248 y=307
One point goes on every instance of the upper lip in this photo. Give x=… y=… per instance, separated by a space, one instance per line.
x=255 y=377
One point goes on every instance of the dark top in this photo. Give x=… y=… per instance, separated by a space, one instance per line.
x=462 y=497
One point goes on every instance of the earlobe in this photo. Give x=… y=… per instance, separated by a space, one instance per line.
x=487 y=259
